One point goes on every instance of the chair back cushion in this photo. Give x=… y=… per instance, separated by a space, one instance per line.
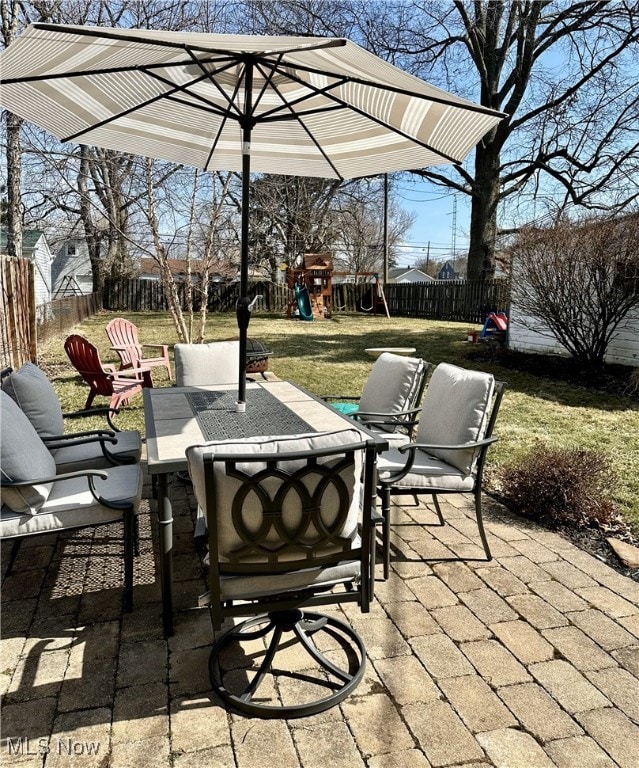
x=23 y=457
x=271 y=519
x=198 y=365
x=392 y=385
x=32 y=391
x=454 y=412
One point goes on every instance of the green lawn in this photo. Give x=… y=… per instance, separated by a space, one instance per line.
x=328 y=357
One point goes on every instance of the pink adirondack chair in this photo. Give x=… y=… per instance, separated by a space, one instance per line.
x=103 y=379
x=123 y=335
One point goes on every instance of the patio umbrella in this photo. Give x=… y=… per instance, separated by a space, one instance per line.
x=302 y=106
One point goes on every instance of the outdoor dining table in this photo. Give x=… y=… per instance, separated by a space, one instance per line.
x=177 y=417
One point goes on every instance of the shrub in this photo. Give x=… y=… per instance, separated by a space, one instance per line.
x=561 y=486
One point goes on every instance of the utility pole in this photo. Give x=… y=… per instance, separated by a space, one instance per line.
x=385 y=272
x=454 y=244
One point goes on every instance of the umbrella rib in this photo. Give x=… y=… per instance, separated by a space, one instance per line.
x=305 y=128
x=104 y=32
x=209 y=105
x=469 y=105
x=125 y=112
x=223 y=123
x=363 y=113
x=146 y=68
x=209 y=76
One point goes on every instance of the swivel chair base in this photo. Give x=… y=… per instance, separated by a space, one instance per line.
x=238 y=685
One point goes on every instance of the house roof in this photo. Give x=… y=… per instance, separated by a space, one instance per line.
x=30 y=238
x=397 y=272
x=318 y=261
x=149 y=266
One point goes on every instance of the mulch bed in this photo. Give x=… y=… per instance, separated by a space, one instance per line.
x=612 y=380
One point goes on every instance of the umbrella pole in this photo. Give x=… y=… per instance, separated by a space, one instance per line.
x=242 y=308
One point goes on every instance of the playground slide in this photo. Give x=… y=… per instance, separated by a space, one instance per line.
x=303 y=302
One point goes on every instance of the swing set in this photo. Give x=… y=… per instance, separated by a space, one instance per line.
x=377 y=295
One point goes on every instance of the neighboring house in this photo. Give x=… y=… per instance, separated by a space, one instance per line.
x=408 y=275
x=71 y=269
x=36 y=249
x=150 y=270
x=447 y=272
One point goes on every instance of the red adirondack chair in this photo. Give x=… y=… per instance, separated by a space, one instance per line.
x=103 y=379
x=123 y=335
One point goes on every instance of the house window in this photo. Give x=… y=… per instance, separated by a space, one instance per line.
x=70 y=249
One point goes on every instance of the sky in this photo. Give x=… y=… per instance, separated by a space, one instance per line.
x=436 y=210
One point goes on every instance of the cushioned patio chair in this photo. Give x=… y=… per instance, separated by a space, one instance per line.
x=455 y=430
x=290 y=529
x=36 y=499
x=392 y=391
x=102 y=379
x=30 y=388
x=198 y=365
x=123 y=335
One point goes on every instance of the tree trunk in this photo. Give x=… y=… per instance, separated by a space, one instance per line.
x=483 y=215
x=14 y=195
x=92 y=233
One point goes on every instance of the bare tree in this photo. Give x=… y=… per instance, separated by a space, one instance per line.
x=563 y=72
x=10 y=17
x=361 y=227
x=290 y=216
x=581 y=280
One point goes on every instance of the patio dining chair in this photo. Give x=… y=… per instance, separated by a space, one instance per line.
x=37 y=500
x=123 y=335
x=30 y=388
x=454 y=433
x=103 y=379
x=392 y=391
x=290 y=529
x=198 y=365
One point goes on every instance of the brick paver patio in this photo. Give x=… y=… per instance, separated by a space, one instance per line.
x=528 y=661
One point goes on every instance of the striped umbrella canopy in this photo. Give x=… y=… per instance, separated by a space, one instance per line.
x=304 y=106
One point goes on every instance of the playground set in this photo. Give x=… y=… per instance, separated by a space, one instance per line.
x=311 y=285
x=494 y=329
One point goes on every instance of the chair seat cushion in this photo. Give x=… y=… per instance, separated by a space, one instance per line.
x=394 y=439
x=71 y=505
x=247 y=587
x=73 y=458
x=427 y=472
x=32 y=391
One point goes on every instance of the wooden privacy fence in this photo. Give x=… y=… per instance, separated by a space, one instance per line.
x=467 y=301
x=17 y=304
x=461 y=300
x=23 y=324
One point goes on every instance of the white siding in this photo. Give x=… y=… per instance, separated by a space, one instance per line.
x=41 y=258
x=72 y=273
x=623 y=349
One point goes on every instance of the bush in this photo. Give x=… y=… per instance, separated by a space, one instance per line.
x=561 y=486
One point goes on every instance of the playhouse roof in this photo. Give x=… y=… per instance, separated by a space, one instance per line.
x=318 y=261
